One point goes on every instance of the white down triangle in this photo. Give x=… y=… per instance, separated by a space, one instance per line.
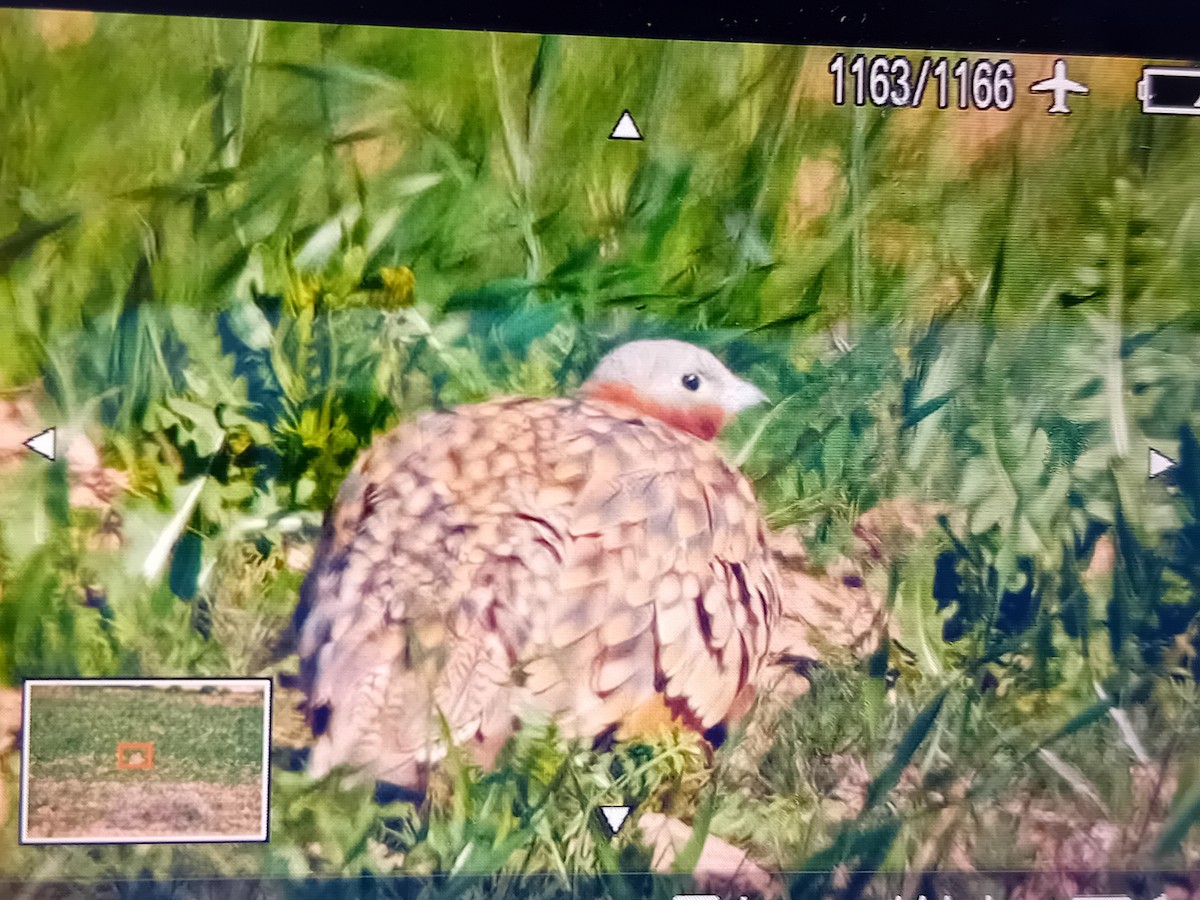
x=615 y=816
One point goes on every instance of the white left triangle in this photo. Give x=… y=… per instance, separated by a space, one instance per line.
x=626 y=129
x=43 y=444
x=615 y=816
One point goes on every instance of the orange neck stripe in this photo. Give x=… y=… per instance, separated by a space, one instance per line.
x=704 y=421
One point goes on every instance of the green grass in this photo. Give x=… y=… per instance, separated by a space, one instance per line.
x=77 y=736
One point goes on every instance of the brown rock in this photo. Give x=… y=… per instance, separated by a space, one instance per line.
x=888 y=530
x=721 y=868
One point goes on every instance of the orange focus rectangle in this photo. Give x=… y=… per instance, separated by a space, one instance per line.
x=128 y=750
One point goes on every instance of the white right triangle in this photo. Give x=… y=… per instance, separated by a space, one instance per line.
x=615 y=816
x=625 y=129
x=1159 y=463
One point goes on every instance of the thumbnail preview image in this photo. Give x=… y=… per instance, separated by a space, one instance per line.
x=147 y=760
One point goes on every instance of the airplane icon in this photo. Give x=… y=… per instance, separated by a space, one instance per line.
x=1060 y=85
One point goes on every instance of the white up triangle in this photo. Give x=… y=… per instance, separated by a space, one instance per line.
x=42 y=444
x=625 y=129
x=1159 y=463
x=615 y=816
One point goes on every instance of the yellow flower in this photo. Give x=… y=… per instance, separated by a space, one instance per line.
x=399 y=286
x=305 y=289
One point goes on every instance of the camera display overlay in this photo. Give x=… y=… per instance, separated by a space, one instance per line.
x=486 y=464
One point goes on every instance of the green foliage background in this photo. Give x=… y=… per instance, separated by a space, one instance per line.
x=232 y=252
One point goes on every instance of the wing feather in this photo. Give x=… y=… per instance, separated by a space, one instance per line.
x=549 y=558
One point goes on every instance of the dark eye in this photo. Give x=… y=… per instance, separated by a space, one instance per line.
x=691 y=381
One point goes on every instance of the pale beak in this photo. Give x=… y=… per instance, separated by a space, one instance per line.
x=741 y=396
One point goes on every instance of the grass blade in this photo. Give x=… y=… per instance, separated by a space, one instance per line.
x=17 y=244
x=913 y=738
x=1184 y=815
x=157 y=558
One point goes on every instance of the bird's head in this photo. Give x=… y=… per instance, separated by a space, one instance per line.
x=678 y=383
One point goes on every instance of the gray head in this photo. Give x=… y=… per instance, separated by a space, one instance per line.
x=673 y=381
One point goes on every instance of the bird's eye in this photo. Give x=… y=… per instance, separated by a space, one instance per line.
x=691 y=381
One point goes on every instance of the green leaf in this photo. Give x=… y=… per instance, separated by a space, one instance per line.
x=343 y=73
x=865 y=847
x=809 y=306
x=24 y=616
x=185 y=566
x=501 y=294
x=834 y=451
x=916 y=612
x=250 y=325
x=519 y=331
x=17 y=244
x=201 y=426
x=913 y=737
x=1184 y=814
x=1078 y=722
x=546 y=55
x=187 y=188
x=685 y=861
x=58 y=493
x=914 y=416
x=162 y=600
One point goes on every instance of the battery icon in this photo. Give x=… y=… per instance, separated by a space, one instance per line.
x=1170 y=90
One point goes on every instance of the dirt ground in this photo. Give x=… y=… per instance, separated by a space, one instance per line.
x=104 y=809
x=232 y=698
x=217 y=698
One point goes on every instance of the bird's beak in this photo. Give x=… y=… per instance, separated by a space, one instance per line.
x=742 y=396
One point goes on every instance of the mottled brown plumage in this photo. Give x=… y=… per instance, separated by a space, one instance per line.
x=525 y=560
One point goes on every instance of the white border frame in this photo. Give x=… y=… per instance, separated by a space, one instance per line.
x=267 y=686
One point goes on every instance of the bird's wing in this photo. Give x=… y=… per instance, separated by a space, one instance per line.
x=666 y=575
x=423 y=587
x=530 y=558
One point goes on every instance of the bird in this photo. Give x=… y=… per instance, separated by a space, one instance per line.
x=587 y=562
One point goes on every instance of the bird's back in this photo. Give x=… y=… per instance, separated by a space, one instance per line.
x=525 y=560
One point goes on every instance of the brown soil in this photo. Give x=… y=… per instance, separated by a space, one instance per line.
x=224 y=697
x=106 y=809
x=232 y=698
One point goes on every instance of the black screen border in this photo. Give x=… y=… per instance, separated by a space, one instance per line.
x=1165 y=29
